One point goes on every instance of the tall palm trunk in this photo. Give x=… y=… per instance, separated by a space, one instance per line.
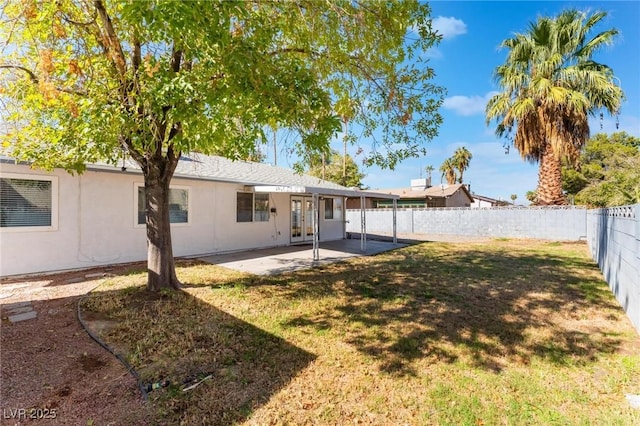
x=160 y=263
x=550 y=179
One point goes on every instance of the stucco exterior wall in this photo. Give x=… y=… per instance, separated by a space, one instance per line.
x=97 y=223
x=458 y=199
x=479 y=203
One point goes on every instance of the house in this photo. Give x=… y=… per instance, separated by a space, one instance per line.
x=55 y=221
x=419 y=195
x=480 y=201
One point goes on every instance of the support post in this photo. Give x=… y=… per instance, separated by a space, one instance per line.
x=314 y=221
x=363 y=224
x=395 y=228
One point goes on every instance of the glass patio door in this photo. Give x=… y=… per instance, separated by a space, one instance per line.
x=301 y=219
x=296 y=220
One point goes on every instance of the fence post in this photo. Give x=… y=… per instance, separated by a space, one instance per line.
x=636 y=217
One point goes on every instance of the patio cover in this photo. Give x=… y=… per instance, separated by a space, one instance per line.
x=316 y=192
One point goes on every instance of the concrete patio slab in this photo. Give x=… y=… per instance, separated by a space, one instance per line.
x=277 y=260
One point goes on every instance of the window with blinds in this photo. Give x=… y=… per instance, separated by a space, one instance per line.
x=25 y=203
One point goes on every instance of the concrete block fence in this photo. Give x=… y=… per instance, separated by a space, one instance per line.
x=613 y=234
x=614 y=241
x=546 y=223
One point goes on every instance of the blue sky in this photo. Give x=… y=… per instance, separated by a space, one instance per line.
x=464 y=63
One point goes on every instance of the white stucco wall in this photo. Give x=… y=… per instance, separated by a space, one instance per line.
x=478 y=203
x=331 y=229
x=96 y=224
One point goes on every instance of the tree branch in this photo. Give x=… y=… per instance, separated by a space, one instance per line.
x=176 y=58
x=30 y=73
x=136 y=55
x=113 y=45
x=35 y=80
x=292 y=50
x=173 y=158
x=135 y=154
x=78 y=23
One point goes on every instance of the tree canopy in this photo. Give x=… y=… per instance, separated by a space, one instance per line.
x=462 y=159
x=549 y=86
x=333 y=168
x=85 y=78
x=609 y=172
x=88 y=80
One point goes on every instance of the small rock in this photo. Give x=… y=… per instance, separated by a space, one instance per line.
x=95 y=275
x=16 y=305
x=23 y=317
x=634 y=400
x=18 y=310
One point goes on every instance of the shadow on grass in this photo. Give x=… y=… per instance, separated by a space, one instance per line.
x=177 y=337
x=490 y=308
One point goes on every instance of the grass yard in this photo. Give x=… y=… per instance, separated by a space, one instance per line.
x=506 y=332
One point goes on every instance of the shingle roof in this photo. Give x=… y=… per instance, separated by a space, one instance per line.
x=220 y=169
x=437 y=191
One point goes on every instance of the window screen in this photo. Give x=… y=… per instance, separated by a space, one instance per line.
x=333 y=208
x=178 y=205
x=261 y=208
x=244 y=207
x=328 y=208
x=25 y=202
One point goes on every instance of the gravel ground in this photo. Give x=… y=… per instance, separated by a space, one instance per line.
x=51 y=371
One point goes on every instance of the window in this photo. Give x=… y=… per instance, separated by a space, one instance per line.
x=244 y=212
x=261 y=206
x=28 y=202
x=178 y=205
x=333 y=208
x=252 y=207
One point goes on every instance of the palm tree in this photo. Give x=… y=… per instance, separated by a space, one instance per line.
x=429 y=169
x=461 y=158
x=448 y=169
x=513 y=198
x=550 y=85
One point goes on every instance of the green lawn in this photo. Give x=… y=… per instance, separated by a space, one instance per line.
x=506 y=332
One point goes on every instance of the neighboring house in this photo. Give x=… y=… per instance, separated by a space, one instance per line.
x=480 y=201
x=419 y=195
x=55 y=221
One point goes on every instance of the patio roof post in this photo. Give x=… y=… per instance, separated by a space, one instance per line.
x=315 y=224
x=363 y=224
x=395 y=234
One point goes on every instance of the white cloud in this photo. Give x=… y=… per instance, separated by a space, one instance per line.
x=468 y=105
x=432 y=53
x=449 y=27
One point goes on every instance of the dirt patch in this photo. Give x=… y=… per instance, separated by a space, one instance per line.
x=91 y=363
x=64 y=391
x=50 y=362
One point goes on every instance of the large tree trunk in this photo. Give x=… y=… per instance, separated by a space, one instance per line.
x=550 y=179
x=160 y=262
